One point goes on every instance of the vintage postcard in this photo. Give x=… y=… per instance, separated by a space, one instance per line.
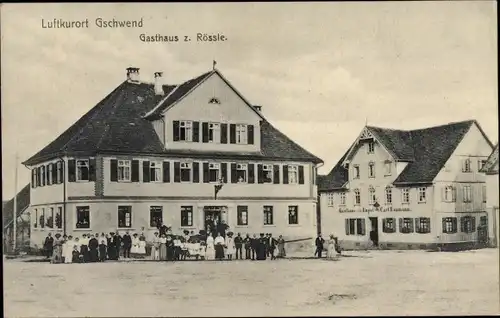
x=250 y=159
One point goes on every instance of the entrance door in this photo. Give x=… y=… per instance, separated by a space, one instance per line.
x=213 y=215
x=482 y=230
x=374 y=230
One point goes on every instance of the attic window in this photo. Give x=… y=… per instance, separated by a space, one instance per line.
x=214 y=100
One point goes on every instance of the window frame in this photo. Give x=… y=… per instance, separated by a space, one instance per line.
x=155 y=166
x=241 y=134
x=372 y=195
x=123 y=210
x=452 y=221
x=155 y=209
x=405 y=193
x=188 y=219
x=330 y=199
x=466 y=166
x=356 y=171
x=343 y=198
x=267 y=169
x=214 y=166
x=388 y=168
x=187 y=126
x=419 y=195
x=185 y=165
x=293 y=174
x=214 y=132
x=451 y=190
x=268 y=214
x=407 y=226
x=77 y=209
x=371 y=169
x=468 y=224
x=293 y=209
x=388 y=195
x=467 y=195
x=240 y=211
x=423 y=225
x=78 y=168
x=357 y=197
x=59 y=172
x=60 y=213
x=389 y=225
x=242 y=167
x=125 y=165
x=371 y=147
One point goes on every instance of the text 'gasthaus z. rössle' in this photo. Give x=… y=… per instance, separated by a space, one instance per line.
x=198 y=37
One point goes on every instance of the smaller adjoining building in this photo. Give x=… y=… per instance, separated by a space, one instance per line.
x=492 y=190
x=409 y=189
x=23 y=221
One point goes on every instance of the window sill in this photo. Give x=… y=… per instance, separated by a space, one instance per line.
x=82 y=181
x=83 y=229
x=387 y=175
x=269 y=225
x=294 y=225
x=188 y=227
x=406 y=203
x=422 y=202
x=241 y=226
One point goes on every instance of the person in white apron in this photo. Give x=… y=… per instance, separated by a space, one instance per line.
x=135 y=245
x=155 y=248
x=68 y=250
x=230 y=247
x=142 y=245
x=210 y=250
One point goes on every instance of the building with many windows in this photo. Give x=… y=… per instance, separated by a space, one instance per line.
x=409 y=188
x=492 y=194
x=151 y=153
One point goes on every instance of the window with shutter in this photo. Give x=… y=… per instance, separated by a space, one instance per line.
x=82 y=170
x=347 y=232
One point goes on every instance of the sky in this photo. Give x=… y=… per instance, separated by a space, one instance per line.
x=321 y=71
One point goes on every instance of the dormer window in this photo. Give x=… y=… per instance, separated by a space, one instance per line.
x=214 y=100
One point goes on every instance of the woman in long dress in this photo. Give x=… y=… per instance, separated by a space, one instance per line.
x=155 y=247
x=330 y=252
x=281 y=247
x=210 y=249
x=230 y=247
x=135 y=245
x=219 y=247
x=141 y=250
x=57 y=252
x=68 y=250
x=103 y=245
x=162 y=251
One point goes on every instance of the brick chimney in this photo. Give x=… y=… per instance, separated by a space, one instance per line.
x=158 y=83
x=133 y=74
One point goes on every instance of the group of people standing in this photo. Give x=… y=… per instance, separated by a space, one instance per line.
x=92 y=248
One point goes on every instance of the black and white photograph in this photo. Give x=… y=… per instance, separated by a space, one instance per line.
x=250 y=159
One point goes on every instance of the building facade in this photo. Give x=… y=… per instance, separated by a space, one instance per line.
x=409 y=189
x=492 y=193
x=151 y=153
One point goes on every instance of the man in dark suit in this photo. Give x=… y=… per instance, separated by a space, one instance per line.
x=261 y=247
x=48 y=245
x=254 y=244
x=247 y=241
x=238 y=243
x=319 y=246
x=117 y=242
x=127 y=245
x=271 y=245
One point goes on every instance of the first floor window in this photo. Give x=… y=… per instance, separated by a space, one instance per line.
x=185 y=130
x=123 y=170
x=449 y=194
x=42 y=218
x=50 y=219
x=35 y=214
x=268 y=215
x=59 y=218
x=213 y=172
x=467 y=193
x=329 y=198
x=406 y=195
x=59 y=172
x=242 y=211
x=186 y=216
x=293 y=214
x=422 y=195
x=388 y=195
x=355 y=227
x=185 y=172
x=214 y=132
x=406 y=225
x=389 y=225
x=371 y=196
x=342 y=198
x=124 y=216
x=241 y=172
x=155 y=171
x=50 y=173
x=155 y=216
x=468 y=224
x=293 y=174
x=82 y=170
x=357 y=197
x=450 y=225
x=267 y=173
x=83 y=217
x=423 y=225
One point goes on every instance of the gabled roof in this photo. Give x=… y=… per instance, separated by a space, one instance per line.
x=426 y=151
x=491 y=165
x=23 y=201
x=117 y=125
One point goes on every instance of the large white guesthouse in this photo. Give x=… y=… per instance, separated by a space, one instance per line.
x=150 y=152
x=409 y=189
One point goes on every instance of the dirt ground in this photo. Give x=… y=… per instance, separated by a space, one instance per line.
x=360 y=283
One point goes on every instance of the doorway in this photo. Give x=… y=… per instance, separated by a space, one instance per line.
x=374 y=231
x=212 y=217
x=482 y=230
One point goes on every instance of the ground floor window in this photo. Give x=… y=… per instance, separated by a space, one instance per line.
x=355 y=227
x=35 y=214
x=468 y=224
x=186 y=216
x=423 y=225
x=406 y=225
x=268 y=215
x=59 y=218
x=42 y=218
x=50 y=219
x=155 y=216
x=293 y=214
x=389 y=225
x=242 y=218
x=83 y=217
x=124 y=216
x=450 y=225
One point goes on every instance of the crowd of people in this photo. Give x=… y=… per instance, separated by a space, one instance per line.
x=165 y=246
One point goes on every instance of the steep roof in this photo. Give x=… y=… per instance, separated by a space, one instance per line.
x=491 y=165
x=117 y=125
x=23 y=201
x=426 y=151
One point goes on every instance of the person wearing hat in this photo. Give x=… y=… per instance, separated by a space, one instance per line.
x=271 y=245
x=75 y=254
x=247 y=242
x=135 y=244
x=170 y=245
x=219 y=247
x=254 y=244
x=155 y=248
x=281 y=247
x=68 y=250
x=141 y=248
x=238 y=243
x=162 y=250
x=210 y=248
x=48 y=245
x=84 y=248
x=57 y=252
x=117 y=242
x=319 y=246
x=103 y=245
x=127 y=245
x=230 y=247
x=93 y=248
